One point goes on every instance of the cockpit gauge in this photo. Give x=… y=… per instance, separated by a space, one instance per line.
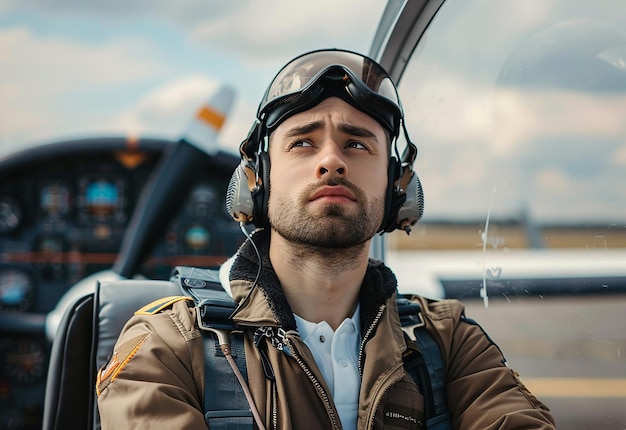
x=101 y=199
x=50 y=250
x=204 y=201
x=197 y=238
x=17 y=289
x=24 y=361
x=55 y=198
x=10 y=214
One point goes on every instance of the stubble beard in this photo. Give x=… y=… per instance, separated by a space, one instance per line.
x=333 y=230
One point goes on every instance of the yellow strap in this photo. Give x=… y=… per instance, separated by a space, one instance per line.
x=160 y=304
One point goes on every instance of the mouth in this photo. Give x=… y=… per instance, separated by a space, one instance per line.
x=333 y=194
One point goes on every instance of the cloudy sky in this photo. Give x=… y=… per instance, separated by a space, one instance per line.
x=74 y=68
x=520 y=107
x=516 y=106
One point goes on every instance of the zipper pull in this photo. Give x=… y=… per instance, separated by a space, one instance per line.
x=267 y=366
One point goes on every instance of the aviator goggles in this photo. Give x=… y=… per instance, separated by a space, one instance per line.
x=308 y=79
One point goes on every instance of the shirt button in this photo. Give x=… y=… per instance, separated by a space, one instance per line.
x=343 y=363
x=322 y=339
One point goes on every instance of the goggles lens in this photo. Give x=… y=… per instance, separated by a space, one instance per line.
x=370 y=85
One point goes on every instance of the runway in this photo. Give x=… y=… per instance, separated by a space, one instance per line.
x=570 y=351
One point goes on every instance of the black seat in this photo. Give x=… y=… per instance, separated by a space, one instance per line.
x=83 y=343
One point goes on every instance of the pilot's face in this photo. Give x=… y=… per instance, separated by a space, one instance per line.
x=328 y=176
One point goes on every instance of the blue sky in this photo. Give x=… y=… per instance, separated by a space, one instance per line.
x=71 y=69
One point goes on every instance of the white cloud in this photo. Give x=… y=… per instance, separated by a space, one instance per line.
x=44 y=71
x=179 y=95
x=58 y=63
x=474 y=136
x=166 y=108
x=277 y=29
x=184 y=13
x=39 y=74
x=525 y=114
x=261 y=30
x=455 y=110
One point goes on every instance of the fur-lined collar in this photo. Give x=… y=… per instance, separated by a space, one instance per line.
x=378 y=285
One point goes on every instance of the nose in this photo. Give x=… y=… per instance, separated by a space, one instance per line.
x=331 y=162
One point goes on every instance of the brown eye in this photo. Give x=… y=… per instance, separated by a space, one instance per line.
x=300 y=144
x=357 y=145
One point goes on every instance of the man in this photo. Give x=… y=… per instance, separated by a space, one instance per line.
x=324 y=347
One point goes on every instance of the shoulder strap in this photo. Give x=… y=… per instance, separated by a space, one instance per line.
x=425 y=365
x=225 y=395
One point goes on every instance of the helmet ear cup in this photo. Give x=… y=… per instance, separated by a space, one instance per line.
x=239 y=202
x=248 y=191
x=261 y=194
x=404 y=203
x=412 y=209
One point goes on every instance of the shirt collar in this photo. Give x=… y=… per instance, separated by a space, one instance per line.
x=306 y=328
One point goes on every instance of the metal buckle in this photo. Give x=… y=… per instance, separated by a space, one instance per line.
x=410 y=329
x=223 y=334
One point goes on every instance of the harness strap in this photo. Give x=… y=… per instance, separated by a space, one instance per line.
x=437 y=375
x=427 y=368
x=228 y=403
x=225 y=403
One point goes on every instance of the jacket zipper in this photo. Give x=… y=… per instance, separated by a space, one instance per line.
x=378 y=398
x=388 y=383
x=367 y=335
x=316 y=383
x=275 y=406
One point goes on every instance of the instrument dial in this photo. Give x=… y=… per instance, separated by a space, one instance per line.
x=197 y=239
x=17 y=290
x=24 y=361
x=204 y=201
x=10 y=214
x=55 y=198
x=101 y=199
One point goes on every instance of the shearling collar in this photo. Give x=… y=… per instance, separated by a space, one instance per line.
x=378 y=285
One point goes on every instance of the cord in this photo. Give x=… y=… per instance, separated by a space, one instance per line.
x=256 y=250
x=257 y=417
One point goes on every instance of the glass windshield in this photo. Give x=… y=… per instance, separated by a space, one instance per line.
x=519 y=111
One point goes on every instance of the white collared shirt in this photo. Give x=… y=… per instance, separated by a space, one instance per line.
x=336 y=354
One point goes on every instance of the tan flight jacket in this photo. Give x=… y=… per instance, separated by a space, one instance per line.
x=155 y=378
